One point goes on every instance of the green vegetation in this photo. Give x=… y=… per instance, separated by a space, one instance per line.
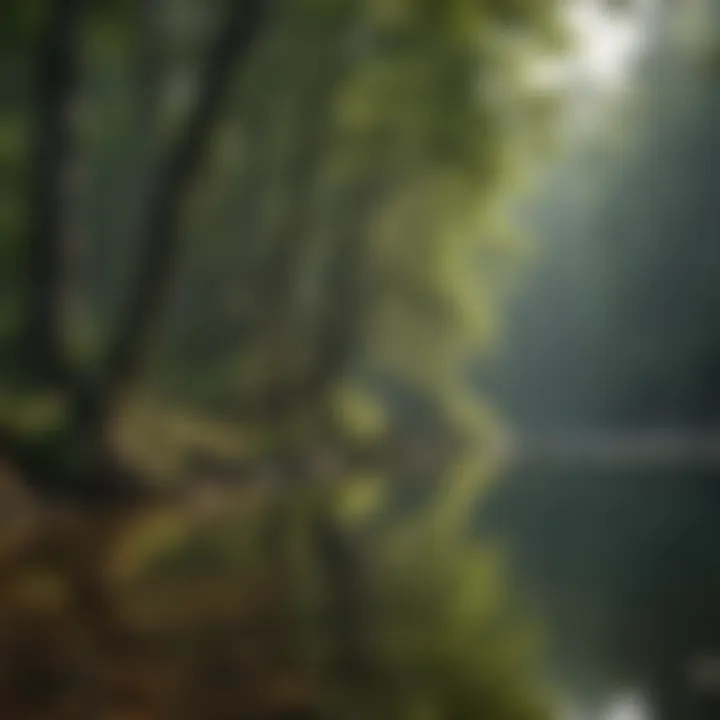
x=250 y=251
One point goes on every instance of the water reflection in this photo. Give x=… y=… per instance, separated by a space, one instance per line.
x=628 y=706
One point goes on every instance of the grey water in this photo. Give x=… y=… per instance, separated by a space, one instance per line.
x=616 y=330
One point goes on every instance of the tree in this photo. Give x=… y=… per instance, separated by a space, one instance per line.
x=239 y=221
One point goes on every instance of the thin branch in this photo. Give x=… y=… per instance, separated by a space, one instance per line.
x=348 y=589
x=304 y=179
x=162 y=240
x=149 y=67
x=57 y=79
x=340 y=328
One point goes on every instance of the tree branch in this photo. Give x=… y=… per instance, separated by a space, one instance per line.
x=57 y=78
x=304 y=178
x=341 y=323
x=161 y=244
